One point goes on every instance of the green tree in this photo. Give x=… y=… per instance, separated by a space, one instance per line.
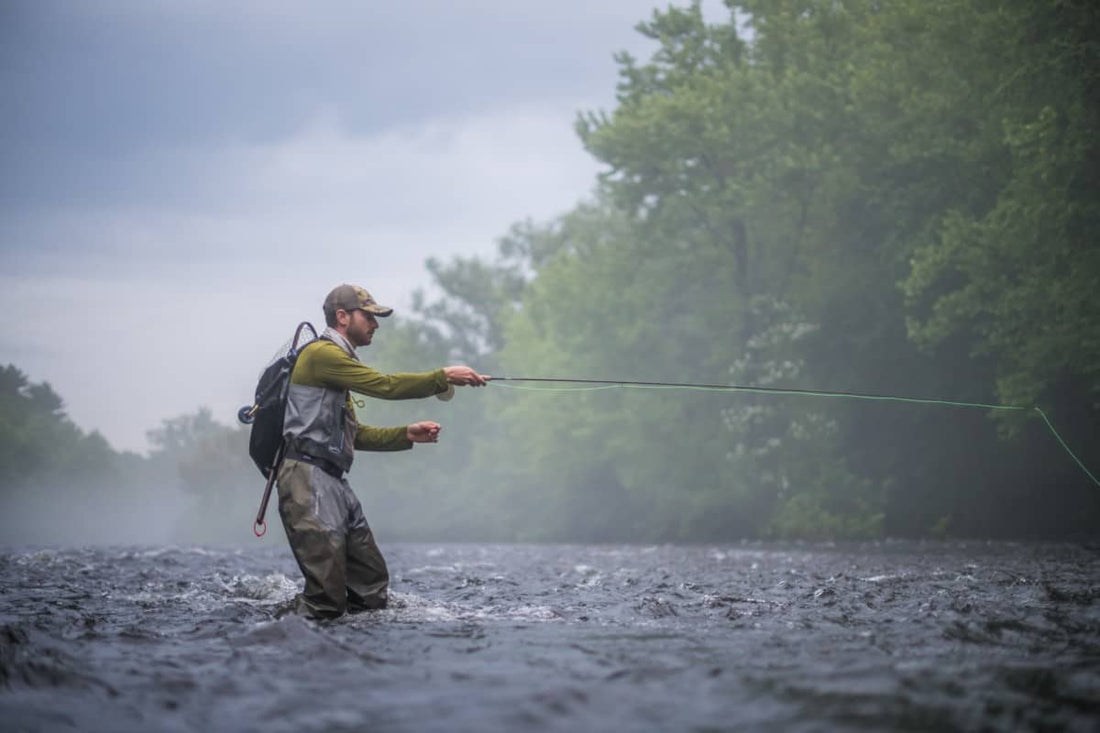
x=1017 y=276
x=819 y=165
x=38 y=442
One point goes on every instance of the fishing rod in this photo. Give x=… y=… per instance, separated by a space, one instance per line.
x=602 y=384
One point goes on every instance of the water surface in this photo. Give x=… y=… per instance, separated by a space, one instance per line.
x=900 y=636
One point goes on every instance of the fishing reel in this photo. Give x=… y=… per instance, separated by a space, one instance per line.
x=247 y=414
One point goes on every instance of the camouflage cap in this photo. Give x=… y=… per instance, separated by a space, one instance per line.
x=352 y=297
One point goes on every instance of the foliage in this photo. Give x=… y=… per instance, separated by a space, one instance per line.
x=1018 y=278
x=39 y=444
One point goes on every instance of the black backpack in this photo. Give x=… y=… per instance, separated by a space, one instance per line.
x=266 y=413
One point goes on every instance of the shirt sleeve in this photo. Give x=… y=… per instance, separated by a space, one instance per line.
x=382 y=439
x=332 y=367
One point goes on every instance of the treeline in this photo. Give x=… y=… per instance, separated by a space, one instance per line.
x=894 y=198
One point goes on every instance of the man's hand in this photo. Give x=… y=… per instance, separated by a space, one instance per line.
x=465 y=376
x=423 y=432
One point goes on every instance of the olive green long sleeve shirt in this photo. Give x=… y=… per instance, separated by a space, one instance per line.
x=325 y=364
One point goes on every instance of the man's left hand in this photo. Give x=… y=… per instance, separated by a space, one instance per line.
x=423 y=432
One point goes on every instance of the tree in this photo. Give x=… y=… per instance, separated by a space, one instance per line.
x=1017 y=277
x=39 y=443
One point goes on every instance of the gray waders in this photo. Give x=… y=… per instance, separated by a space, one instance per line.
x=330 y=539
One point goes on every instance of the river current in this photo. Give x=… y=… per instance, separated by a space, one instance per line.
x=877 y=636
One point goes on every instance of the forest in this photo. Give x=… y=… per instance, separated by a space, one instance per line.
x=894 y=198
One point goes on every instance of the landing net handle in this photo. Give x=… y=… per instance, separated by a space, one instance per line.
x=259 y=527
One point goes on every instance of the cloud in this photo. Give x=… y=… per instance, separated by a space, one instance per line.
x=108 y=77
x=444 y=185
x=140 y=312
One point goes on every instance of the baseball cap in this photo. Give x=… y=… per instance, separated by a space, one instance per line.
x=352 y=297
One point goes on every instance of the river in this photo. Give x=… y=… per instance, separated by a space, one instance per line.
x=874 y=636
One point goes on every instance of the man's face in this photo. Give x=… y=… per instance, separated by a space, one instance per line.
x=361 y=327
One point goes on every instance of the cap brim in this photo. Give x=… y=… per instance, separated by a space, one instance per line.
x=377 y=310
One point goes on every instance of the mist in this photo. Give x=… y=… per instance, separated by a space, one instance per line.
x=76 y=514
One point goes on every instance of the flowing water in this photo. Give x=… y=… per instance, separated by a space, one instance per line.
x=882 y=636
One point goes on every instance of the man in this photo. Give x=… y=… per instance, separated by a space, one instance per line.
x=330 y=538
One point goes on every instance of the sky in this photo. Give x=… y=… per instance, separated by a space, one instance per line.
x=183 y=182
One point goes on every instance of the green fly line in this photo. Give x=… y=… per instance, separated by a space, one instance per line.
x=596 y=385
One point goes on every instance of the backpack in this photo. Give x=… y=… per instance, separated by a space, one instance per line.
x=267 y=411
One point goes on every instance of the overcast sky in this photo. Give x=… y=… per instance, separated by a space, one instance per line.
x=182 y=182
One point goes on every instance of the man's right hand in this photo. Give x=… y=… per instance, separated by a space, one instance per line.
x=465 y=376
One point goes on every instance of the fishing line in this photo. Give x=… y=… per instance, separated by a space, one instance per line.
x=595 y=385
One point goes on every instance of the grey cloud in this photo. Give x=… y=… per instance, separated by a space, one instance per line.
x=123 y=75
x=96 y=88
x=244 y=203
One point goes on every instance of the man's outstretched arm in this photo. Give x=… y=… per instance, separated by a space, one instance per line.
x=331 y=366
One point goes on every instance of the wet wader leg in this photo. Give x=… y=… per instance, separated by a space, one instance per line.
x=313 y=510
x=368 y=579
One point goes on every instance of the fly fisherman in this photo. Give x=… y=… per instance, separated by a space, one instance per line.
x=330 y=538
